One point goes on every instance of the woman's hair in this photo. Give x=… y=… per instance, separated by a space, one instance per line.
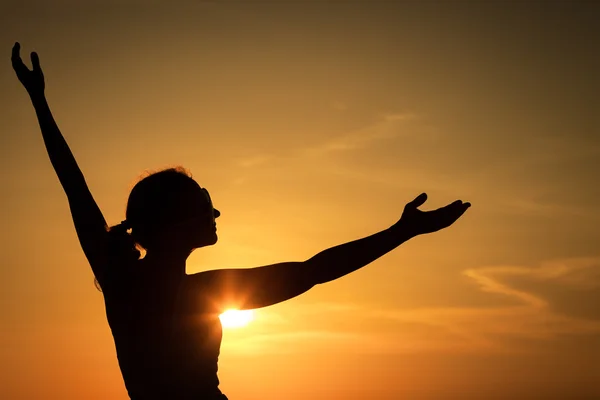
x=153 y=202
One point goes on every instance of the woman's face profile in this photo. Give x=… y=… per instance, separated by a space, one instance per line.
x=198 y=222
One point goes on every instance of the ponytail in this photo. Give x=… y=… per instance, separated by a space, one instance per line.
x=122 y=249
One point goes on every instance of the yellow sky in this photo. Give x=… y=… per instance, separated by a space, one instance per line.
x=312 y=124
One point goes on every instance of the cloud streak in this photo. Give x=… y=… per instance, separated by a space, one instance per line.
x=388 y=127
x=522 y=180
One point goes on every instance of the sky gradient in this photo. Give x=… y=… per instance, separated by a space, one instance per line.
x=311 y=124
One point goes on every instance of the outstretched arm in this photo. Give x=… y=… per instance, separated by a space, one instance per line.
x=88 y=219
x=264 y=286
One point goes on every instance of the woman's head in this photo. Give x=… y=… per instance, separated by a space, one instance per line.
x=168 y=208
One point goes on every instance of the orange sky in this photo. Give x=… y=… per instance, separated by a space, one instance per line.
x=312 y=124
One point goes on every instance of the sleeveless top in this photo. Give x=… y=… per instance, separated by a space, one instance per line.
x=167 y=343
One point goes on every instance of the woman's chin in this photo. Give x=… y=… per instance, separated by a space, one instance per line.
x=208 y=241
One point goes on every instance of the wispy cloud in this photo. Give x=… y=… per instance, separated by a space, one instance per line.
x=320 y=155
x=533 y=318
x=388 y=126
x=523 y=178
x=574 y=272
x=527 y=206
x=253 y=161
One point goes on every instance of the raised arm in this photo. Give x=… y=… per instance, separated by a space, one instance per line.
x=264 y=286
x=88 y=219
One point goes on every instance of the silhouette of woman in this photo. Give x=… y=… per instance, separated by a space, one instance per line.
x=165 y=323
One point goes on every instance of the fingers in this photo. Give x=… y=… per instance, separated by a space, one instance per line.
x=15 y=51
x=458 y=208
x=463 y=206
x=458 y=204
x=17 y=63
x=418 y=201
x=454 y=210
x=16 y=57
x=35 y=61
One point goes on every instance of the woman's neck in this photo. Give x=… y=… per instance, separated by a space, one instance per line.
x=172 y=261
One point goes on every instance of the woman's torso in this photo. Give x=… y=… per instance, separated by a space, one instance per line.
x=167 y=343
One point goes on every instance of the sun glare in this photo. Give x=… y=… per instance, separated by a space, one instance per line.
x=236 y=318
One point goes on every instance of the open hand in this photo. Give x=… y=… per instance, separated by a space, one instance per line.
x=32 y=80
x=418 y=222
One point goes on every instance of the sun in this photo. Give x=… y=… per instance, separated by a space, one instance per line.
x=236 y=318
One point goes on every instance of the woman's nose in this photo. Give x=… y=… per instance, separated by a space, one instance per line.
x=217 y=213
